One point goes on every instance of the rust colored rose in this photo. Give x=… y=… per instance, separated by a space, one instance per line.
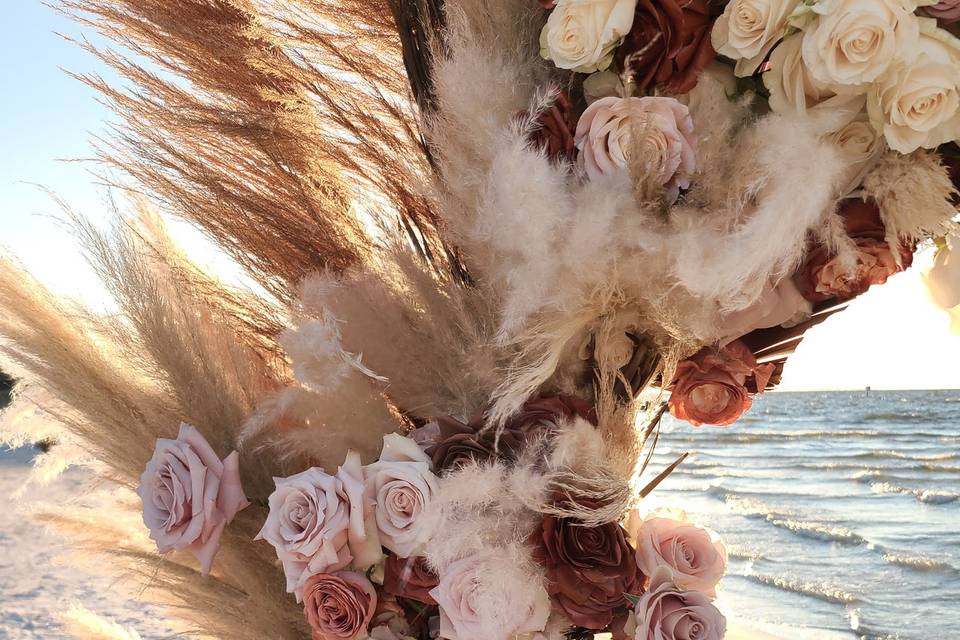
x=339 y=606
x=715 y=386
x=554 y=129
x=460 y=443
x=823 y=277
x=409 y=578
x=669 y=44
x=589 y=569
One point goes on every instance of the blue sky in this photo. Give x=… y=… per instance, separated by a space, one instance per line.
x=890 y=338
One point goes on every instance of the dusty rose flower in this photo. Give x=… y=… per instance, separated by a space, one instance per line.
x=390 y=615
x=614 y=132
x=460 y=443
x=822 y=275
x=589 y=568
x=694 y=554
x=402 y=485
x=409 y=578
x=665 y=612
x=485 y=596
x=189 y=495
x=946 y=11
x=668 y=45
x=714 y=386
x=339 y=606
x=554 y=129
x=308 y=526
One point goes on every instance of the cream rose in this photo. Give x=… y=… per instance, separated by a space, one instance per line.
x=486 y=596
x=793 y=90
x=659 y=130
x=918 y=104
x=402 y=486
x=943 y=279
x=189 y=495
x=581 y=35
x=748 y=29
x=852 y=42
x=308 y=525
x=696 y=555
x=861 y=146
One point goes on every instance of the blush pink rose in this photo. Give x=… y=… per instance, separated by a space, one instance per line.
x=777 y=305
x=659 y=131
x=696 y=555
x=189 y=495
x=339 y=606
x=488 y=597
x=666 y=612
x=946 y=11
x=308 y=526
x=715 y=386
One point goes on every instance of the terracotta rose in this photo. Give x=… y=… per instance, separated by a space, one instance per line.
x=459 y=443
x=589 y=569
x=823 y=277
x=669 y=44
x=714 y=386
x=339 y=606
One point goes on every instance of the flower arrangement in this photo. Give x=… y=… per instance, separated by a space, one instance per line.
x=495 y=242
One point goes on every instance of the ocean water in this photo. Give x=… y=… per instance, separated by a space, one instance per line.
x=841 y=511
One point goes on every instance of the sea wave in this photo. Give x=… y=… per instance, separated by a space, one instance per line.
x=927 y=496
x=820 y=590
x=919 y=563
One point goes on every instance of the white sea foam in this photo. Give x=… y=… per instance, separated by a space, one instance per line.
x=819 y=590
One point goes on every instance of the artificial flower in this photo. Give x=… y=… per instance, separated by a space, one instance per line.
x=946 y=11
x=666 y=612
x=462 y=443
x=403 y=486
x=748 y=29
x=308 y=526
x=410 y=578
x=695 y=555
x=589 y=568
x=484 y=596
x=189 y=495
x=943 y=279
x=917 y=104
x=339 y=606
x=668 y=45
x=614 y=133
x=714 y=386
x=847 y=43
x=825 y=276
x=581 y=35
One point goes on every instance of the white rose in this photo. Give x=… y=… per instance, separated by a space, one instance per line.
x=861 y=146
x=918 y=104
x=793 y=90
x=943 y=279
x=853 y=42
x=402 y=486
x=748 y=29
x=582 y=34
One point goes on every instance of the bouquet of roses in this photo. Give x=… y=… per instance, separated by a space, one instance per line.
x=495 y=242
